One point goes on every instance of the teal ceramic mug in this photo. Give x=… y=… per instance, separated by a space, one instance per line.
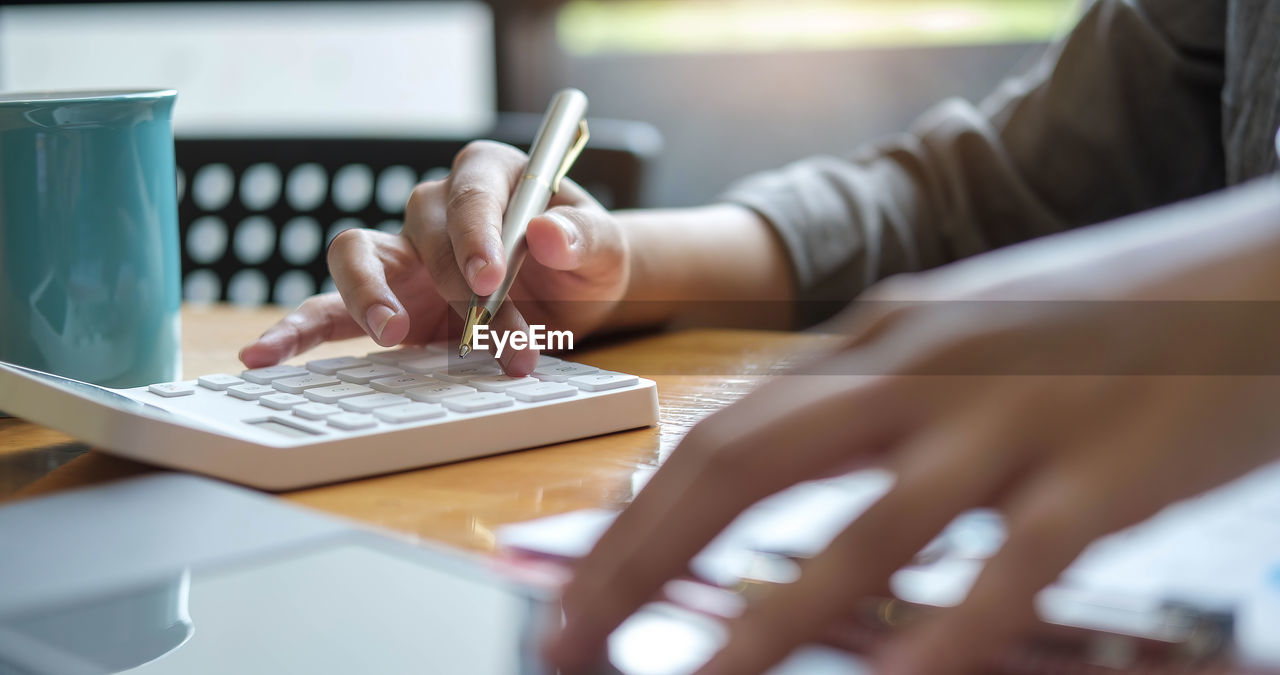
x=89 y=268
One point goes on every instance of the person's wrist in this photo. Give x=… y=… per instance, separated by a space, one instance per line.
x=645 y=301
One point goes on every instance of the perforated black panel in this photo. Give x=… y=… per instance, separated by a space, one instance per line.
x=256 y=214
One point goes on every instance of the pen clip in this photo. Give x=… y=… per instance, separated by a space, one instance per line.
x=571 y=156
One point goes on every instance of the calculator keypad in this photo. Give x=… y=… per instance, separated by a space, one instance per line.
x=395 y=387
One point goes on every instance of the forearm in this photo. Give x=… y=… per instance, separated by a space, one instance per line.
x=719 y=264
x=1123 y=116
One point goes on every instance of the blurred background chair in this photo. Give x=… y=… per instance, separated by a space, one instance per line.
x=299 y=119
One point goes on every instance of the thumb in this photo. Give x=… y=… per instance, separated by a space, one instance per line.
x=569 y=238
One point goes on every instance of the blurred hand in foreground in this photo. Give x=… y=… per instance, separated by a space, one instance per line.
x=1136 y=366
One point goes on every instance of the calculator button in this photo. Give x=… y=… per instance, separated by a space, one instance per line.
x=484 y=400
x=499 y=382
x=366 y=374
x=250 y=391
x=267 y=375
x=397 y=384
x=604 y=381
x=172 y=389
x=542 y=391
x=351 y=421
x=295 y=385
x=562 y=371
x=219 y=381
x=336 y=393
x=281 y=401
x=316 y=411
x=395 y=356
x=369 y=402
x=544 y=360
x=409 y=412
x=463 y=374
x=426 y=364
x=438 y=392
x=331 y=366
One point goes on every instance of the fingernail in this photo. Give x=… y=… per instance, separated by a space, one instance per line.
x=569 y=230
x=473 y=269
x=377 y=318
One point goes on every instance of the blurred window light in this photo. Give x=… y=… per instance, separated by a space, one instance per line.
x=586 y=27
x=345 y=68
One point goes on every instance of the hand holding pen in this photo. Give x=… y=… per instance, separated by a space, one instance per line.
x=397 y=288
x=560 y=139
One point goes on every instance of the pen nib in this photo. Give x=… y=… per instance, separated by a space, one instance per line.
x=475 y=316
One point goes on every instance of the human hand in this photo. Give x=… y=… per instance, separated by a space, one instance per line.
x=1126 y=374
x=398 y=287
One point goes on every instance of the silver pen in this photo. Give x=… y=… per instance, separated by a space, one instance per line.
x=559 y=141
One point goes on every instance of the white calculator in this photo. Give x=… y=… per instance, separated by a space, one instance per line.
x=334 y=419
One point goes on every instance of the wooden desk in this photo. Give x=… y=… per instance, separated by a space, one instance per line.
x=460 y=504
